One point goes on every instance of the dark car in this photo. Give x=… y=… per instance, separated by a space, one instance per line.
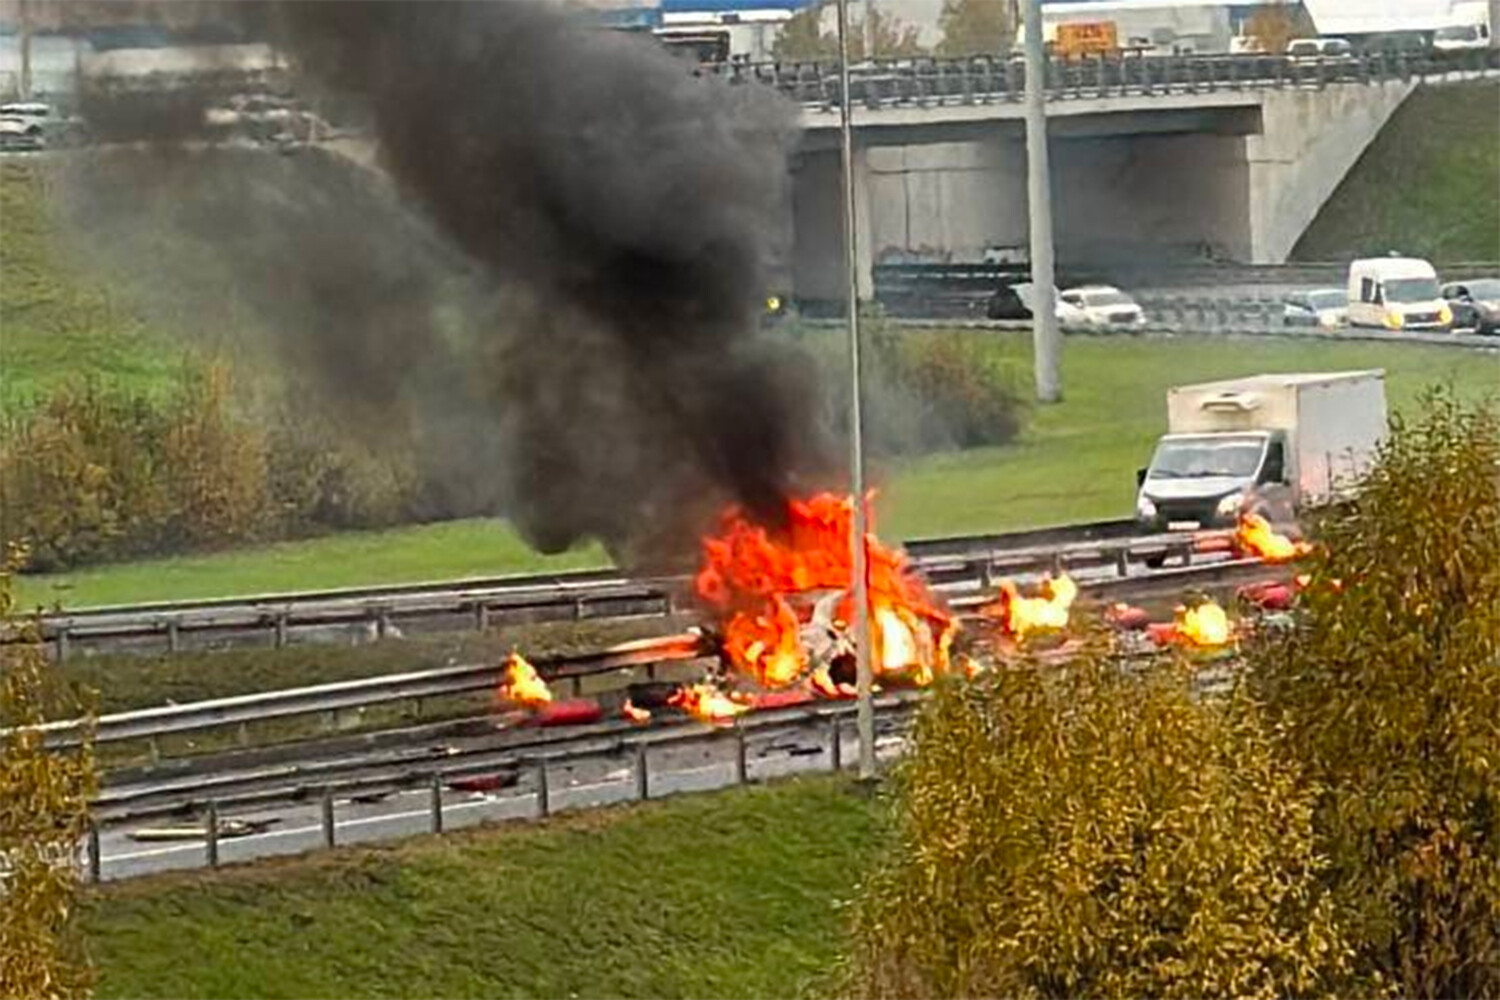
x=1475 y=304
x=1006 y=304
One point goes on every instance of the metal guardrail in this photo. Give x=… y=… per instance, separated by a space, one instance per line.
x=931 y=82
x=479 y=603
x=537 y=760
x=153 y=723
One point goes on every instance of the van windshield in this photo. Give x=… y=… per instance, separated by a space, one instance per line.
x=1411 y=289
x=1457 y=33
x=1194 y=458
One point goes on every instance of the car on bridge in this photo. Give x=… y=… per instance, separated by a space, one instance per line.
x=1475 y=304
x=1103 y=306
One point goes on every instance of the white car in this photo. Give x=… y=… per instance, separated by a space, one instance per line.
x=1099 y=306
x=1320 y=48
x=23 y=125
x=1321 y=307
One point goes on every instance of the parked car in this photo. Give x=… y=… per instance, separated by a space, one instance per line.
x=1322 y=307
x=1397 y=293
x=1475 y=304
x=1319 y=48
x=1103 y=306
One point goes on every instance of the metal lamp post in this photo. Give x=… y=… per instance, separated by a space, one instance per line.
x=1046 y=344
x=864 y=682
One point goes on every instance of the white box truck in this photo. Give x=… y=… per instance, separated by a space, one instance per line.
x=1267 y=444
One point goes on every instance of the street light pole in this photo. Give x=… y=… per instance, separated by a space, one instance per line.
x=1046 y=343
x=864 y=678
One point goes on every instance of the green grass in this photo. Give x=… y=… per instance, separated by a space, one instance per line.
x=1075 y=462
x=729 y=895
x=423 y=552
x=56 y=324
x=1426 y=186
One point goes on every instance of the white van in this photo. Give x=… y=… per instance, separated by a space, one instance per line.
x=1396 y=293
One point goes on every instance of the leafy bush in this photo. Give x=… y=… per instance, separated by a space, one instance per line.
x=44 y=796
x=1095 y=831
x=924 y=391
x=90 y=475
x=1388 y=692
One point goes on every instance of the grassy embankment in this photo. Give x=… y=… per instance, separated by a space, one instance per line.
x=1074 y=462
x=730 y=895
x=1428 y=185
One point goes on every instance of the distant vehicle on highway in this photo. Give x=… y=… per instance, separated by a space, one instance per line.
x=35 y=125
x=1103 y=306
x=1475 y=304
x=1014 y=301
x=1396 y=293
x=1319 y=48
x=1461 y=38
x=1322 y=307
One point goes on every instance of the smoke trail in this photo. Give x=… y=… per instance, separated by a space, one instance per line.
x=600 y=217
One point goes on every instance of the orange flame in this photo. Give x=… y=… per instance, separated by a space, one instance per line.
x=749 y=574
x=1255 y=535
x=521 y=685
x=1204 y=625
x=1048 y=611
x=633 y=714
x=705 y=703
x=825 y=686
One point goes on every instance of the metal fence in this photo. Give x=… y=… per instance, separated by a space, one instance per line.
x=924 y=82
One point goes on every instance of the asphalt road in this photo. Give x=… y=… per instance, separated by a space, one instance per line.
x=590 y=783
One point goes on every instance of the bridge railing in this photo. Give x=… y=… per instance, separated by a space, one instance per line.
x=927 y=81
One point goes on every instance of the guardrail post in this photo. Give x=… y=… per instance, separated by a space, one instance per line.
x=281 y=630
x=741 y=761
x=242 y=734
x=172 y=637
x=642 y=775
x=211 y=834
x=1122 y=562
x=330 y=837
x=62 y=643
x=835 y=744
x=382 y=622
x=543 y=791
x=481 y=616
x=96 y=863
x=437 y=803
x=1187 y=553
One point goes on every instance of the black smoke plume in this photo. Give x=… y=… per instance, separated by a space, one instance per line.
x=557 y=309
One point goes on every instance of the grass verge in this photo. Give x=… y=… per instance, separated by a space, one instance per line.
x=1426 y=185
x=1076 y=461
x=729 y=895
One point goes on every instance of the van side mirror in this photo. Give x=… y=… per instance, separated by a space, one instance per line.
x=1274 y=470
x=1140 y=478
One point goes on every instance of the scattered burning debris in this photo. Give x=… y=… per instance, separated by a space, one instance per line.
x=522 y=685
x=706 y=703
x=1256 y=536
x=1204 y=625
x=1021 y=616
x=640 y=716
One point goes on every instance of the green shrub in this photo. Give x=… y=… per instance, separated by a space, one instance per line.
x=924 y=391
x=1096 y=831
x=1388 y=691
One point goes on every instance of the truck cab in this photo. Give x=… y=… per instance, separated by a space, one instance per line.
x=1206 y=480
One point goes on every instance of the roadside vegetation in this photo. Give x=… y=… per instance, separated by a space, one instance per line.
x=728 y=895
x=1330 y=827
x=1053 y=472
x=1426 y=185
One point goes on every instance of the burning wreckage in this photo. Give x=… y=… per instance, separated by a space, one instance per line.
x=780 y=613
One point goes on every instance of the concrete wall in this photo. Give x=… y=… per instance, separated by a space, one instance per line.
x=1117 y=194
x=1309 y=140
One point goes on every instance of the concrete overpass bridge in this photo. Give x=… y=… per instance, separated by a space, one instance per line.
x=1149 y=156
